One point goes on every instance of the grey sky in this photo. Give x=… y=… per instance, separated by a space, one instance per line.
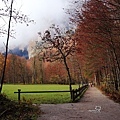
x=44 y=12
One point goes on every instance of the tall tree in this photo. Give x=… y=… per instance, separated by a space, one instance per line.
x=98 y=31
x=9 y=12
x=57 y=45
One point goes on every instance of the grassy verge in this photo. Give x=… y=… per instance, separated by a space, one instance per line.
x=39 y=98
x=10 y=110
x=114 y=95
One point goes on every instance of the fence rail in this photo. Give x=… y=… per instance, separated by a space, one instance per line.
x=78 y=92
x=75 y=93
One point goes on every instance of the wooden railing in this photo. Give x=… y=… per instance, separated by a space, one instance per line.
x=20 y=92
x=78 y=92
x=75 y=93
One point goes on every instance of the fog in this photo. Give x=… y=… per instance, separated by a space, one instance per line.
x=43 y=12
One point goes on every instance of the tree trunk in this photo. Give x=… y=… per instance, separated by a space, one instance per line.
x=69 y=76
x=115 y=57
x=8 y=35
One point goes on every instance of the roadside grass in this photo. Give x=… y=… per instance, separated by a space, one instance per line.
x=39 y=98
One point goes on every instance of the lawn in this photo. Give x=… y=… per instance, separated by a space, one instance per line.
x=39 y=98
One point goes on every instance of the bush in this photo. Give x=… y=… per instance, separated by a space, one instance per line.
x=10 y=110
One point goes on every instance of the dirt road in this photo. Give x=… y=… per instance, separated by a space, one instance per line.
x=93 y=106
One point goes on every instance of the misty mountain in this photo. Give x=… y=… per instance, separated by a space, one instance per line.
x=20 y=52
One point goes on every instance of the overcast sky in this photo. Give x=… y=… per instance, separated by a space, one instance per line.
x=44 y=12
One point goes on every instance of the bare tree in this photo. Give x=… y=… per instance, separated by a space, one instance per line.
x=57 y=45
x=10 y=13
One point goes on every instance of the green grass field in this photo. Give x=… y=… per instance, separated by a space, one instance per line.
x=39 y=98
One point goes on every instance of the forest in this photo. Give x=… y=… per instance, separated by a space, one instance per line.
x=88 y=53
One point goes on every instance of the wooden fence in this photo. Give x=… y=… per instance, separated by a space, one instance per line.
x=78 y=92
x=75 y=93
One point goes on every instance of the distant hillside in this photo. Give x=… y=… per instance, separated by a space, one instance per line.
x=19 y=52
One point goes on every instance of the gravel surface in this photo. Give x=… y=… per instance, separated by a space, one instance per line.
x=93 y=106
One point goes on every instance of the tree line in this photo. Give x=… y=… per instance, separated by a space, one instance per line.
x=98 y=36
x=34 y=71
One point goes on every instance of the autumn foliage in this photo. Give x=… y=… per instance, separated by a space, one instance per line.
x=97 y=34
x=90 y=52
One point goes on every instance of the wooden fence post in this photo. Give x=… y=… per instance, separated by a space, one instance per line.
x=19 y=95
x=73 y=96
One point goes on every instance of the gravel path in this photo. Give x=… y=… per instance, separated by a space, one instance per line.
x=93 y=106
